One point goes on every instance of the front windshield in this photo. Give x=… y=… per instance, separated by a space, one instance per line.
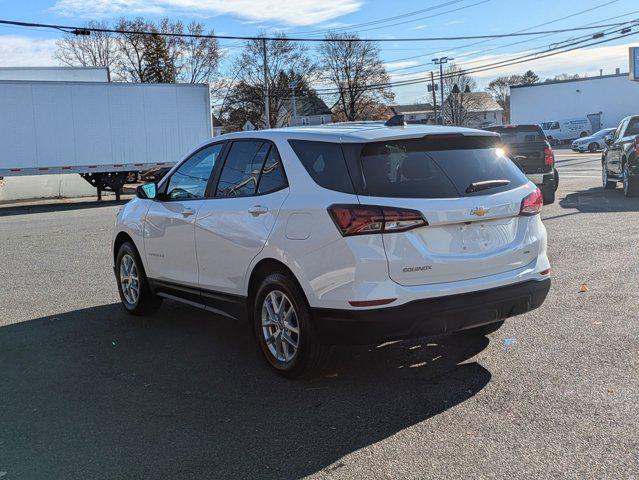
x=604 y=132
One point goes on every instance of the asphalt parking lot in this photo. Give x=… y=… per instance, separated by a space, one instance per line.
x=90 y=392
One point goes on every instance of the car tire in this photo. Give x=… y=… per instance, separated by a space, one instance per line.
x=630 y=183
x=607 y=184
x=556 y=178
x=548 y=194
x=133 y=286
x=593 y=147
x=287 y=339
x=483 y=330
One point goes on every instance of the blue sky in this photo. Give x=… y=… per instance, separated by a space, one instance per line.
x=20 y=46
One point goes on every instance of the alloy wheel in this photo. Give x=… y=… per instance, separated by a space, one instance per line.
x=280 y=326
x=129 y=279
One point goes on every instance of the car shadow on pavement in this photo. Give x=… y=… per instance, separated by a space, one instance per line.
x=599 y=200
x=9 y=210
x=96 y=393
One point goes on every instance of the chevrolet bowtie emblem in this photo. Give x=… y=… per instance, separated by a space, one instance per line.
x=479 y=211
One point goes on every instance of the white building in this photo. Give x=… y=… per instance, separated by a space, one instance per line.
x=414 y=113
x=217 y=125
x=310 y=111
x=483 y=110
x=605 y=100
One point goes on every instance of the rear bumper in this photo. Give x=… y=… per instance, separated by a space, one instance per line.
x=541 y=179
x=433 y=316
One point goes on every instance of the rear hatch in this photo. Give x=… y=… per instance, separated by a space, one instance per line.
x=469 y=193
x=526 y=144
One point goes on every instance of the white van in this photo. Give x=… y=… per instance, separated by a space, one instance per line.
x=562 y=130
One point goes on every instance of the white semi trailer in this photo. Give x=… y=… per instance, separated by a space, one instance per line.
x=103 y=131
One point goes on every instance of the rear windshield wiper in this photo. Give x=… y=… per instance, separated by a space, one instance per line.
x=485 y=185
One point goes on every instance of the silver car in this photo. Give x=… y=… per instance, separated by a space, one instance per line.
x=593 y=143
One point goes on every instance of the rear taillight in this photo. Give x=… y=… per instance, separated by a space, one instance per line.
x=365 y=219
x=531 y=205
x=637 y=146
x=549 y=158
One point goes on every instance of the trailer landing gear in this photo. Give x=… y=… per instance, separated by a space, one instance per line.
x=107 y=181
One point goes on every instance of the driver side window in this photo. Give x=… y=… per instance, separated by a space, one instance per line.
x=620 y=129
x=189 y=181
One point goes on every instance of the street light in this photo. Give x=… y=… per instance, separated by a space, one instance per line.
x=441 y=61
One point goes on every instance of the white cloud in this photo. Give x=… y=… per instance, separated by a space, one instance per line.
x=583 y=62
x=20 y=51
x=405 y=64
x=292 y=12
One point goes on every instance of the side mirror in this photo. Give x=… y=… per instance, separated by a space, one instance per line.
x=148 y=191
x=608 y=139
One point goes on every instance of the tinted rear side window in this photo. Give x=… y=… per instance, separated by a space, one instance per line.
x=324 y=161
x=272 y=177
x=520 y=134
x=435 y=168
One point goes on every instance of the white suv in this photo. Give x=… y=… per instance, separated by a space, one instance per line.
x=352 y=233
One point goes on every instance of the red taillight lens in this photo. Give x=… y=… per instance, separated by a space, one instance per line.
x=531 y=205
x=637 y=146
x=365 y=219
x=549 y=159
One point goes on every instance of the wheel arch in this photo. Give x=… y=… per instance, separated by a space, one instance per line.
x=120 y=239
x=264 y=268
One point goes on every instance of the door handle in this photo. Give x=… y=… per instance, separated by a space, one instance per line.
x=256 y=210
x=187 y=212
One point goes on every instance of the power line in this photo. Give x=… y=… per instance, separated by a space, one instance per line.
x=519 y=31
x=556 y=45
x=354 y=29
x=84 y=30
x=501 y=64
x=355 y=26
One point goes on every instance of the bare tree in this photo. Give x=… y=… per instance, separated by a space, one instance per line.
x=130 y=55
x=356 y=71
x=287 y=62
x=563 y=77
x=96 y=50
x=499 y=88
x=200 y=57
x=460 y=105
x=132 y=49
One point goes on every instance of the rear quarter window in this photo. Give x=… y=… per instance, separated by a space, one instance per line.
x=325 y=163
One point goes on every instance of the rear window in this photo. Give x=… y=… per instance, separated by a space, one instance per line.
x=520 y=134
x=324 y=161
x=633 y=127
x=435 y=167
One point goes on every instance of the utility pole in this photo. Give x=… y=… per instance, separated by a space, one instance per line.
x=292 y=85
x=432 y=89
x=267 y=111
x=441 y=61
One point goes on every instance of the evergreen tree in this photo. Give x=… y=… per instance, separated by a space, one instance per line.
x=159 y=66
x=529 y=78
